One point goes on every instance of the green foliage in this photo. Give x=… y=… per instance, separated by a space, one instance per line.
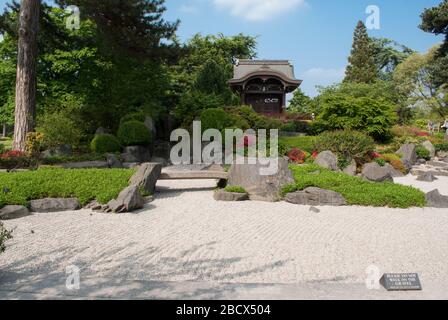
x=55 y=160
x=306 y=143
x=235 y=189
x=381 y=161
x=85 y=184
x=361 y=68
x=134 y=133
x=5 y=235
x=220 y=119
x=349 y=106
x=435 y=20
x=441 y=146
x=58 y=129
x=135 y=116
x=104 y=143
x=356 y=190
x=192 y=104
x=423 y=153
x=388 y=55
x=255 y=120
x=289 y=127
x=300 y=103
x=212 y=79
x=347 y=144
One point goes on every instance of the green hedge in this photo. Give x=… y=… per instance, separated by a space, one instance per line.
x=84 y=184
x=104 y=143
x=134 y=133
x=356 y=190
x=306 y=143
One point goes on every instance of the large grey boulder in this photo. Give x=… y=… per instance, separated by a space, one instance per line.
x=376 y=173
x=435 y=200
x=408 y=154
x=316 y=197
x=222 y=195
x=128 y=200
x=394 y=173
x=139 y=154
x=430 y=147
x=328 y=160
x=146 y=176
x=261 y=187
x=54 y=205
x=13 y=212
x=86 y=165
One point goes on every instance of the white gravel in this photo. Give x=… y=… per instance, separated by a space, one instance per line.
x=184 y=235
x=441 y=183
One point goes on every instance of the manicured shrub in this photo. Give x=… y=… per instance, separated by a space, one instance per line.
x=58 y=129
x=257 y=121
x=34 y=143
x=104 y=143
x=135 y=116
x=235 y=189
x=15 y=160
x=347 y=144
x=297 y=156
x=356 y=190
x=395 y=161
x=84 y=184
x=216 y=118
x=423 y=153
x=134 y=133
x=4 y=236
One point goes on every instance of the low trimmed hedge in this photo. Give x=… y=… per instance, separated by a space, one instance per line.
x=356 y=190
x=134 y=133
x=104 y=143
x=85 y=184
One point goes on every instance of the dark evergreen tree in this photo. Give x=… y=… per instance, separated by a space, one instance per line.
x=361 y=68
x=435 y=20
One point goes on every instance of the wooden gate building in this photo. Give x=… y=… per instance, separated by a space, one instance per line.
x=263 y=84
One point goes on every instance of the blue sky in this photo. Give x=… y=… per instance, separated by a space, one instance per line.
x=316 y=35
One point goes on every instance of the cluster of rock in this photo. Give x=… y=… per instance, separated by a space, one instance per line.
x=129 y=199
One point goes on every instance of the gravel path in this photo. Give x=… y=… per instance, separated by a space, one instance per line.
x=185 y=235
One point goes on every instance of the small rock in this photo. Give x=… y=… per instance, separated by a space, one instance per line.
x=55 y=205
x=316 y=197
x=314 y=209
x=426 y=177
x=94 y=205
x=328 y=160
x=113 y=162
x=435 y=200
x=376 y=173
x=222 y=195
x=13 y=212
x=129 y=200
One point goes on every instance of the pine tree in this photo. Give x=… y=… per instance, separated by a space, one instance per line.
x=361 y=68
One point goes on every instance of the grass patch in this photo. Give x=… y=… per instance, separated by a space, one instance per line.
x=306 y=143
x=85 y=184
x=235 y=189
x=355 y=190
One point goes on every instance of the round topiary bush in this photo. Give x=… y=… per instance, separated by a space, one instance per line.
x=103 y=143
x=134 y=133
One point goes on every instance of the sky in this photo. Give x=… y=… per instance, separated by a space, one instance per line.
x=315 y=35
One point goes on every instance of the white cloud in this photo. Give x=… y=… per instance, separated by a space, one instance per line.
x=258 y=10
x=320 y=77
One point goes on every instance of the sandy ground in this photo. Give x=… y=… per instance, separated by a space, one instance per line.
x=184 y=235
x=441 y=183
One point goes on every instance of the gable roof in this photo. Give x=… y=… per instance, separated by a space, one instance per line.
x=246 y=69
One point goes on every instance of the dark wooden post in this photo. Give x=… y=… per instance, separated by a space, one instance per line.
x=26 y=72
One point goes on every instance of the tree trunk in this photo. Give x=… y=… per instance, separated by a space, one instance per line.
x=26 y=72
